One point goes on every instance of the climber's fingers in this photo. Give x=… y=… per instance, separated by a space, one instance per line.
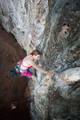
x=51 y=73
x=39 y=65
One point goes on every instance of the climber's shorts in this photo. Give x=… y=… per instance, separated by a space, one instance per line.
x=27 y=73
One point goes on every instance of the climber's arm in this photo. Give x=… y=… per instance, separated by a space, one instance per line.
x=37 y=67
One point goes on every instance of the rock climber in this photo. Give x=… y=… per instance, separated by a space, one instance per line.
x=24 y=66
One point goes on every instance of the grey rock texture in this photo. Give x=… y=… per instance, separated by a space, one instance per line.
x=25 y=19
x=52 y=26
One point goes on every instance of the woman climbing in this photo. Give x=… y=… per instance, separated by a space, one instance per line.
x=24 y=66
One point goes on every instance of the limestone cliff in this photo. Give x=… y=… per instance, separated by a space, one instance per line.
x=25 y=19
x=52 y=26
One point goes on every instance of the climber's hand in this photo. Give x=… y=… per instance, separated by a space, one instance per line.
x=49 y=74
x=39 y=65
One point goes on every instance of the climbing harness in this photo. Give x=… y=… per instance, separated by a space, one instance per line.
x=23 y=72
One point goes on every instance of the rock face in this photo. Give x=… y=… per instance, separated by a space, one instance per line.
x=52 y=26
x=25 y=19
